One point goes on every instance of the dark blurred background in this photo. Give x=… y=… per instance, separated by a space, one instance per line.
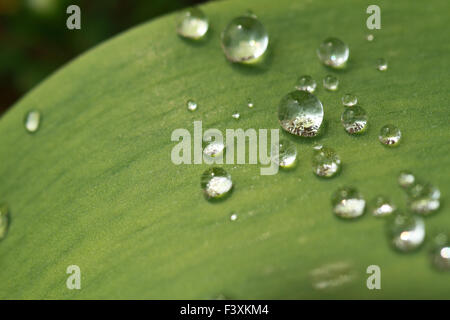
x=34 y=39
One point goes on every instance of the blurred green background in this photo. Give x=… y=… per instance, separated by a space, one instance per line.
x=35 y=41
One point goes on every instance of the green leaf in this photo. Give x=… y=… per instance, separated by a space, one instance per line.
x=95 y=186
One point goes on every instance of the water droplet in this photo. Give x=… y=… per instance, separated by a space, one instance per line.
x=191 y=105
x=330 y=82
x=32 y=121
x=440 y=252
x=236 y=115
x=406 y=232
x=382 y=206
x=250 y=13
x=216 y=183
x=354 y=120
x=333 y=53
x=349 y=100
x=233 y=217
x=389 y=135
x=250 y=103
x=306 y=83
x=287 y=154
x=406 y=179
x=317 y=146
x=332 y=276
x=382 y=64
x=370 y=37
x=244 y=39
x=213 y=148
x=326 y=162
x=4 y=220
x=300 y=113
x=192 y=24
x=423 y=198
x=348 y=203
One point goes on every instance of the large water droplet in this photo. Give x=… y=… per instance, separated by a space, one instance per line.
x=406 y=232
x=423 y=198
x=382 y=206
x=32 y=121
x=300 y=113
x=244 y=39
x=389 y=135
x=287 y=154
x=325 y=162
x=382 y=64
x=354 y=120
x=406 y=179
x=306 y=83
x=192 y=24
x=348 y=203
x=349 y=100
x=440 y=252
x=333 y=53
x=4 y=220
x=330 y=82
x=191 y=105
x=216 y=183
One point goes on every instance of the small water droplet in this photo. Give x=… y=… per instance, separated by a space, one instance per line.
x=216 y=183
x=333 y=53
x=250 y=103
x=349 y=100
x=317 y=146
x=326 y=162
x=348 y=203
x=236 y=115
x=389 y=135
x=382 y=206
x=306 y=83
x=382 y=64
x=191 y=105
x=192 y=24
x=213 y=148
x=4 y=220
x=245 y=39
x=370 y=37
x=330 y=82
x=354 y=120
x=423 y=198
x=233 y=217
x=300 y=113
x=287 y=154
x=332 y=275
x=406 y=232
x=440 y=252
x=406 y=179
x=32 y=121
x=250 y=13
